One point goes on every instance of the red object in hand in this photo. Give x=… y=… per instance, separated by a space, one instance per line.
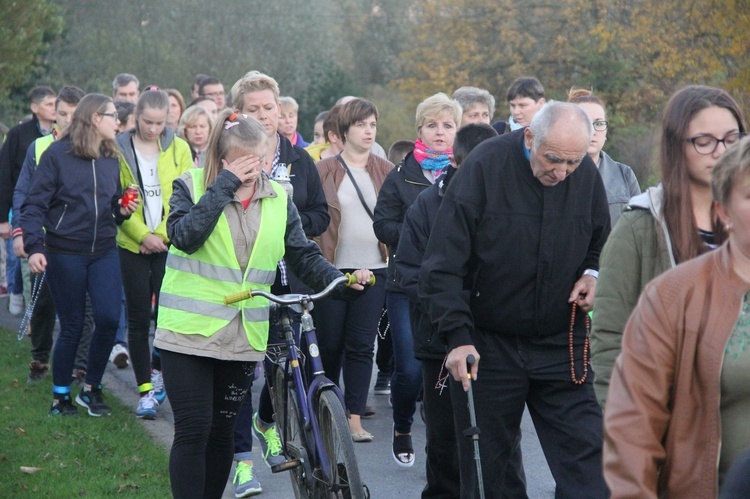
x=130 y=194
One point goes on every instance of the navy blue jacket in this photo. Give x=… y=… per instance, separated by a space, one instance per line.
x=73 y=203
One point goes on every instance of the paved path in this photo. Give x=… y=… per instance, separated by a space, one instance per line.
x=384 y=478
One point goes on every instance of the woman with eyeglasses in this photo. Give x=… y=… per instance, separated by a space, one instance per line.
x=668 y=224
x=69 y=220
x=619 y=179
x=677 y=414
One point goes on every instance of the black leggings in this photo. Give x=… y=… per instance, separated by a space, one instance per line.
x=205 y=395
x=142 y=275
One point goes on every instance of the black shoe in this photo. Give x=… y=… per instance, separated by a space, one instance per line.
x=382 y=384
x=93 y=400
x=64 y=407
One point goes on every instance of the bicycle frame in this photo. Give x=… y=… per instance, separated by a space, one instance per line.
x=307 y=396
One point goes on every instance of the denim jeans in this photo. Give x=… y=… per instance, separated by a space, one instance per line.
x=406 y=380
x=70 y=277
x=13 y=270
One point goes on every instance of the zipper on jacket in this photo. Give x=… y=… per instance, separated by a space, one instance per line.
x=96 y=206
x=65 y=208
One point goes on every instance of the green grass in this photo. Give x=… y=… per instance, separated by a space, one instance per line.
x=83 y=456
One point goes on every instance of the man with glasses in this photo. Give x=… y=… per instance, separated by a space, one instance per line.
x=213 y=89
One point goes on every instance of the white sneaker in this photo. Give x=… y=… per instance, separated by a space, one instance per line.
x=15 y=304
x=147 y=405
x=119 y=356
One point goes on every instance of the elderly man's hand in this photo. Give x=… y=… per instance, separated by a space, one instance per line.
x=583 y=292
x=456 y=364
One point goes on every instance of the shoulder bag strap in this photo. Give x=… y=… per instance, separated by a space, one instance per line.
x=356 y=187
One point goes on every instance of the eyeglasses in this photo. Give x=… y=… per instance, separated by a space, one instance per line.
x=600 y=126
x=707 y=144
x=112 y=115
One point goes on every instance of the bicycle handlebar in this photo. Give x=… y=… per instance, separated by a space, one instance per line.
x=347 y=279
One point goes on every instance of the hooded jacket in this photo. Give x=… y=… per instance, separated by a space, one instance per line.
x=638 y=250
x=174 y=159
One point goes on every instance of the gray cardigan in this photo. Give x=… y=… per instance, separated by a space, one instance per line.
x=619 y=182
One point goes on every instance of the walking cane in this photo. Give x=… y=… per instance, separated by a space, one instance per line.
x=473 y=431
x=36 y=289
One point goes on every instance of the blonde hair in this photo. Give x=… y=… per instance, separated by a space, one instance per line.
x=84 y=138
x=288 y=104
x=434 y=106
x=190 y=117
x=731 y=166
x=232 y=131
x=253 y=81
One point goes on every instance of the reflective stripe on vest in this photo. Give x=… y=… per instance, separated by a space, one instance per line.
x=191 y=298
x=41 y=144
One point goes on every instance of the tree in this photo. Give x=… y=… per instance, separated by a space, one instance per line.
x=26 y=28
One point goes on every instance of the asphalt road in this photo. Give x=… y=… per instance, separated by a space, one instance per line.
x=383 y=477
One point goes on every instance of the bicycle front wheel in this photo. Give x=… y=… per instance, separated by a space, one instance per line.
x=342 y=466
x=291 y=432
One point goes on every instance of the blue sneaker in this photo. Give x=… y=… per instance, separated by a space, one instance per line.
x=245 y=483
x=93 y=400
x=160 y=394
x=147 y=405
x=270 y=443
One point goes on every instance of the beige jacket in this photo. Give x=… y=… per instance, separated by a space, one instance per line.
x=331 y=175
x=662 y=423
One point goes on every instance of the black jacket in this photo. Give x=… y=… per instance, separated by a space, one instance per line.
x=415 y=232
x=400 y=188
x=527 y=245
x=188 y=233
x=72 y=204
x=12 y=155
x=308 y=193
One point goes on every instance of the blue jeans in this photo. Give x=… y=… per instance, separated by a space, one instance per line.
x=406 y=380
x=13 y=270
x=70 y=276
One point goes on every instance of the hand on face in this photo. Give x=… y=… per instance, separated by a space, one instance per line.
x=247 y=168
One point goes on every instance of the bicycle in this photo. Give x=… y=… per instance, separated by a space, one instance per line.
x=312 y=421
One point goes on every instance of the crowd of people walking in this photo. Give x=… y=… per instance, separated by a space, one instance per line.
x=617 y=318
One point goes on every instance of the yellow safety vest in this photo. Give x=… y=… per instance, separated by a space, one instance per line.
x=194 y=286
x=41 y=144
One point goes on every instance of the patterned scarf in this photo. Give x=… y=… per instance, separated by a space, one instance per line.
x=429 y=159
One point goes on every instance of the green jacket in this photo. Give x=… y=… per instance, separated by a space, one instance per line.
x=638 y=250
x=174 y=160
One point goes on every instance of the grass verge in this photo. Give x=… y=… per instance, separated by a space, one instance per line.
x=44 y=456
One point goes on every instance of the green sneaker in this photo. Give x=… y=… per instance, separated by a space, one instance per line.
x=270 y=443
x=245 y=483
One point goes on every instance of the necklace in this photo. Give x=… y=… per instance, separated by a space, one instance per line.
x=586 y=352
